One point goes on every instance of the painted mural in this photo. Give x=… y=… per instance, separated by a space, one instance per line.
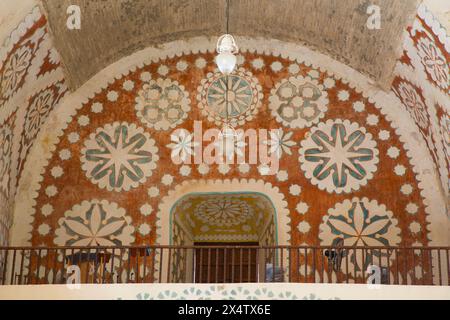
x=330 y=141
x=422 y=83
x=31 y=85
x=102 y=173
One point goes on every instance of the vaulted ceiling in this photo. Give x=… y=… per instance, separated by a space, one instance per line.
x=113 y=29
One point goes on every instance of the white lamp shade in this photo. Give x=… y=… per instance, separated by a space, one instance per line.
x=226 y=62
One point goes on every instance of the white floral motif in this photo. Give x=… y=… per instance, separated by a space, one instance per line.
x=162 y=104
x=57 y=172
x=223 y=211
x=200 y=63
x=294 y=69
x=434 y=62
x=280 y=142
x=128 y=85
x=414 y=227
x=203 y=168
x=147 y=76
x=360 y=222
x=6 y=138
x=304 y=227
x=412 y=208
x=97 y=107
x=83 y=121
x=298 y=102
x=112 y=96
x=14 y=71
x=146 y=210
x=119 y=156
x=295 y=190
x=384 y=135
x=153 y=192
x=282 y=175
x=65 y=154
x=343 y=95
x=339 y=156
x=406 y=189
x=244 y=168
x=302 y=207
x=185 y=170
x=223 y=168
x=162 y=71
x=182 y=145
x=258 y=63
x=393 y=152
x=414 y=104
x=95 y=223
x=232 y=99
x=73 y=137
x=43 y=229
x=144 y=229
x=51 y=191
x=47 y=210
x=399 y=170
x=445 y=131
x=359 y=106
x=276 y=66
x=167 y=179
x=38 y=112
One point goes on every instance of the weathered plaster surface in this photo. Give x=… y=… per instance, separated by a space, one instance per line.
x=11 y=14
x=113 y=29
x=441 y=10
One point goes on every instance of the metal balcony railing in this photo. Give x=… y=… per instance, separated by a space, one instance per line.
x=224 y=264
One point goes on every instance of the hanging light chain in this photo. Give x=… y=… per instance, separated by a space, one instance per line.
x=228 y=17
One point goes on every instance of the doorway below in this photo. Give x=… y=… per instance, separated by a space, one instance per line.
x=226 y=265
x=224 y=230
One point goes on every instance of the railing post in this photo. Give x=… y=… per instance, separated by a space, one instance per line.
x=306 y=265
x=257 y=266
x=169 y=265
x=448 y=266
x=5 y=265
x=13 y=269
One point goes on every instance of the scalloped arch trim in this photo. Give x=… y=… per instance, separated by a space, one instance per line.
x=282 y=215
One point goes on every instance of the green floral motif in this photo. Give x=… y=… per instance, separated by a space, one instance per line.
x=143 y=296
x=312 y=296
x=219 y=292
x=264 y=292
x=196 y=293
x=339 y=156
x=119 y=156
x=348 y=147
x=361 y=229
x=168 y=295
x=360 y=222
x=287 y=296
x=239 y=293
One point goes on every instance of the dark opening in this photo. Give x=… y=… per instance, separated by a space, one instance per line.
x=225 y=265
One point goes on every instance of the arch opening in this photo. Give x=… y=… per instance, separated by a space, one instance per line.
x=226 y=219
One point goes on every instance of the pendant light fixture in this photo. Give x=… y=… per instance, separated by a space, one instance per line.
x=226 y=62
x=226 y=48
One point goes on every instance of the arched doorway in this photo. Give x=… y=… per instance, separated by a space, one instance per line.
x=228 y=220
x=171 y=233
